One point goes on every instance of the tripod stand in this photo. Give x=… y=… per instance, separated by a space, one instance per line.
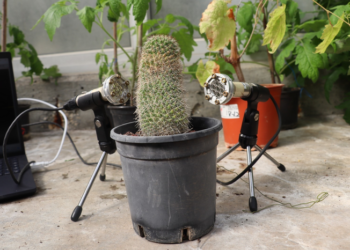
x=103 y=127
x=248 y=138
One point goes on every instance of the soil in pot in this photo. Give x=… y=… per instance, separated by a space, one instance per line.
x=232 y=115
x=170 y=180
x=289 y=107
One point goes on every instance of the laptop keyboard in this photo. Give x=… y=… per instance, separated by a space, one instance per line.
x=13 y=161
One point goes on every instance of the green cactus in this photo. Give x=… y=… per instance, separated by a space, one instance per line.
x=161 y=108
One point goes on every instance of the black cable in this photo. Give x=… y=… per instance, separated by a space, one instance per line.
x=262 y=151
x=71 y=140
x=18 y=181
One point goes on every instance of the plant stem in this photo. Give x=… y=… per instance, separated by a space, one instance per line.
x=331 y=12
x=115 y=47
x=291 y=62
x=252 y=62
x=235 y=59
x=103 y=28
x=4 y=17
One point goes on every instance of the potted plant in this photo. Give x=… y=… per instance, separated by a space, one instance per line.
x=169 y=163
x=118 y=13
x=306 y=54
x=219 y=25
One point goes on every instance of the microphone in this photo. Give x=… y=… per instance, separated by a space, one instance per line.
x=114 y=90
x=220 y=89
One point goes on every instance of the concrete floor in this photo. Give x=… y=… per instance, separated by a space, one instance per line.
x=316 y=156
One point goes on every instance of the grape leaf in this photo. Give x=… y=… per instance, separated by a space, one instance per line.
x=329 y=33
x=196 y=28
x=170 y=18
x=245 y=16
x=286 y=49
x=52 y=17
x=25 y=57
x=149 y=24
x=203 y=72
x=339 y=10
x=218 y=24
x=192 y=69
x=87 y=17
x=185 y=41
x=254 y=44
x=225 y=67
x=51 y=72
x=97 y=57
x=159 y=5
x=308 y=62
x=275 y=29
x=331 y=79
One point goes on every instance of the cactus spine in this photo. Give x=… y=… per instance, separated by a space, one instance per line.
x=161 y=108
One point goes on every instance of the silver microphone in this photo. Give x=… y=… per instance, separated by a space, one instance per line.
x=220 y=89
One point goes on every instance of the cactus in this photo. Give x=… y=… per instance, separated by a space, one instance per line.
x=161 y=108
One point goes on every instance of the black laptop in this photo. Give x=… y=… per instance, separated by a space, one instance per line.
x=9 y=190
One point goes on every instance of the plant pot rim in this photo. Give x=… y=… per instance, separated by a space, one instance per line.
x=216 y=126
x=120 y=107
x=272 y=85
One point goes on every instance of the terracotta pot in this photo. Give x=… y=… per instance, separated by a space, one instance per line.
x=232 y=116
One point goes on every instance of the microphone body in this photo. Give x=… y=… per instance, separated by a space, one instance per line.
x=114 y=90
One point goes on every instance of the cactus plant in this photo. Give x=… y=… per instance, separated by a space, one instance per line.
x=161 y=108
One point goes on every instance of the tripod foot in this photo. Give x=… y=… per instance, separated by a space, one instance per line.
x=76 y=213
x=102 y=177
x=282 y=167
x=253 y=204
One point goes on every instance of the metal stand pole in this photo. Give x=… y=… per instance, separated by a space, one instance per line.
x=279 y=165
x=78 y=209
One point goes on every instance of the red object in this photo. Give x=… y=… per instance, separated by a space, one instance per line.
x=23 y=131
x=268 y=122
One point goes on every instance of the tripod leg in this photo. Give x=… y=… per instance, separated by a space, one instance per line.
x=103 y=170
x=253 y=204
x=279 y=165
x=227 y=153
x=78 y=209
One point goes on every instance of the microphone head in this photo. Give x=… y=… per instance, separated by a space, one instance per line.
x=116 y=90
x=219 y=89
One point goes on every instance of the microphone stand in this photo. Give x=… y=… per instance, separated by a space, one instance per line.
x=103 y=127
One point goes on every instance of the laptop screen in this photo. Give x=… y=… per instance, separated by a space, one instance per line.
x=8 y=108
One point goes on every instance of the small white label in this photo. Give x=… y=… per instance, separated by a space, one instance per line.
x=229 y=111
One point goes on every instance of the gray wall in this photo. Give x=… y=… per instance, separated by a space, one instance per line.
x=70 y=37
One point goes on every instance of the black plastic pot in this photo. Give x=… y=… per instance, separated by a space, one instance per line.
x=289 y=107
x=121 y=114
x=171 y=180
x=24 y=120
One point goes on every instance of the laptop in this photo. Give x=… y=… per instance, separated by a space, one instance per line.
x=9 y=190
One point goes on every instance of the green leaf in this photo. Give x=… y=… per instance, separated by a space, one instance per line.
x=308 y=62
x=254 y=44
x=170 y=18
x=245 y=16
x=345 y=105
x=17 y=34
x=25 y=57
x=291 y=11
x=339 y=10
x=97 y=57
x=87 y=17
x=313 y=25
x=331 y=79
x=28 y=73
x=52 y=17
x=196 y=28
x=124 y=10
x=192 y=69
x=286 y=49
x=139 y=10
x=114 y=6
x=101 y=3
x=53 y=72
x=11 y=47
x=164 y=30
x=275 y=29
x=218 y=24
x=329 y=33
x=203 y=72
x=225 y=67
x=148 y=25
x=186 y=22
x=129 y=4
x=159 y=5
x=185 y=41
